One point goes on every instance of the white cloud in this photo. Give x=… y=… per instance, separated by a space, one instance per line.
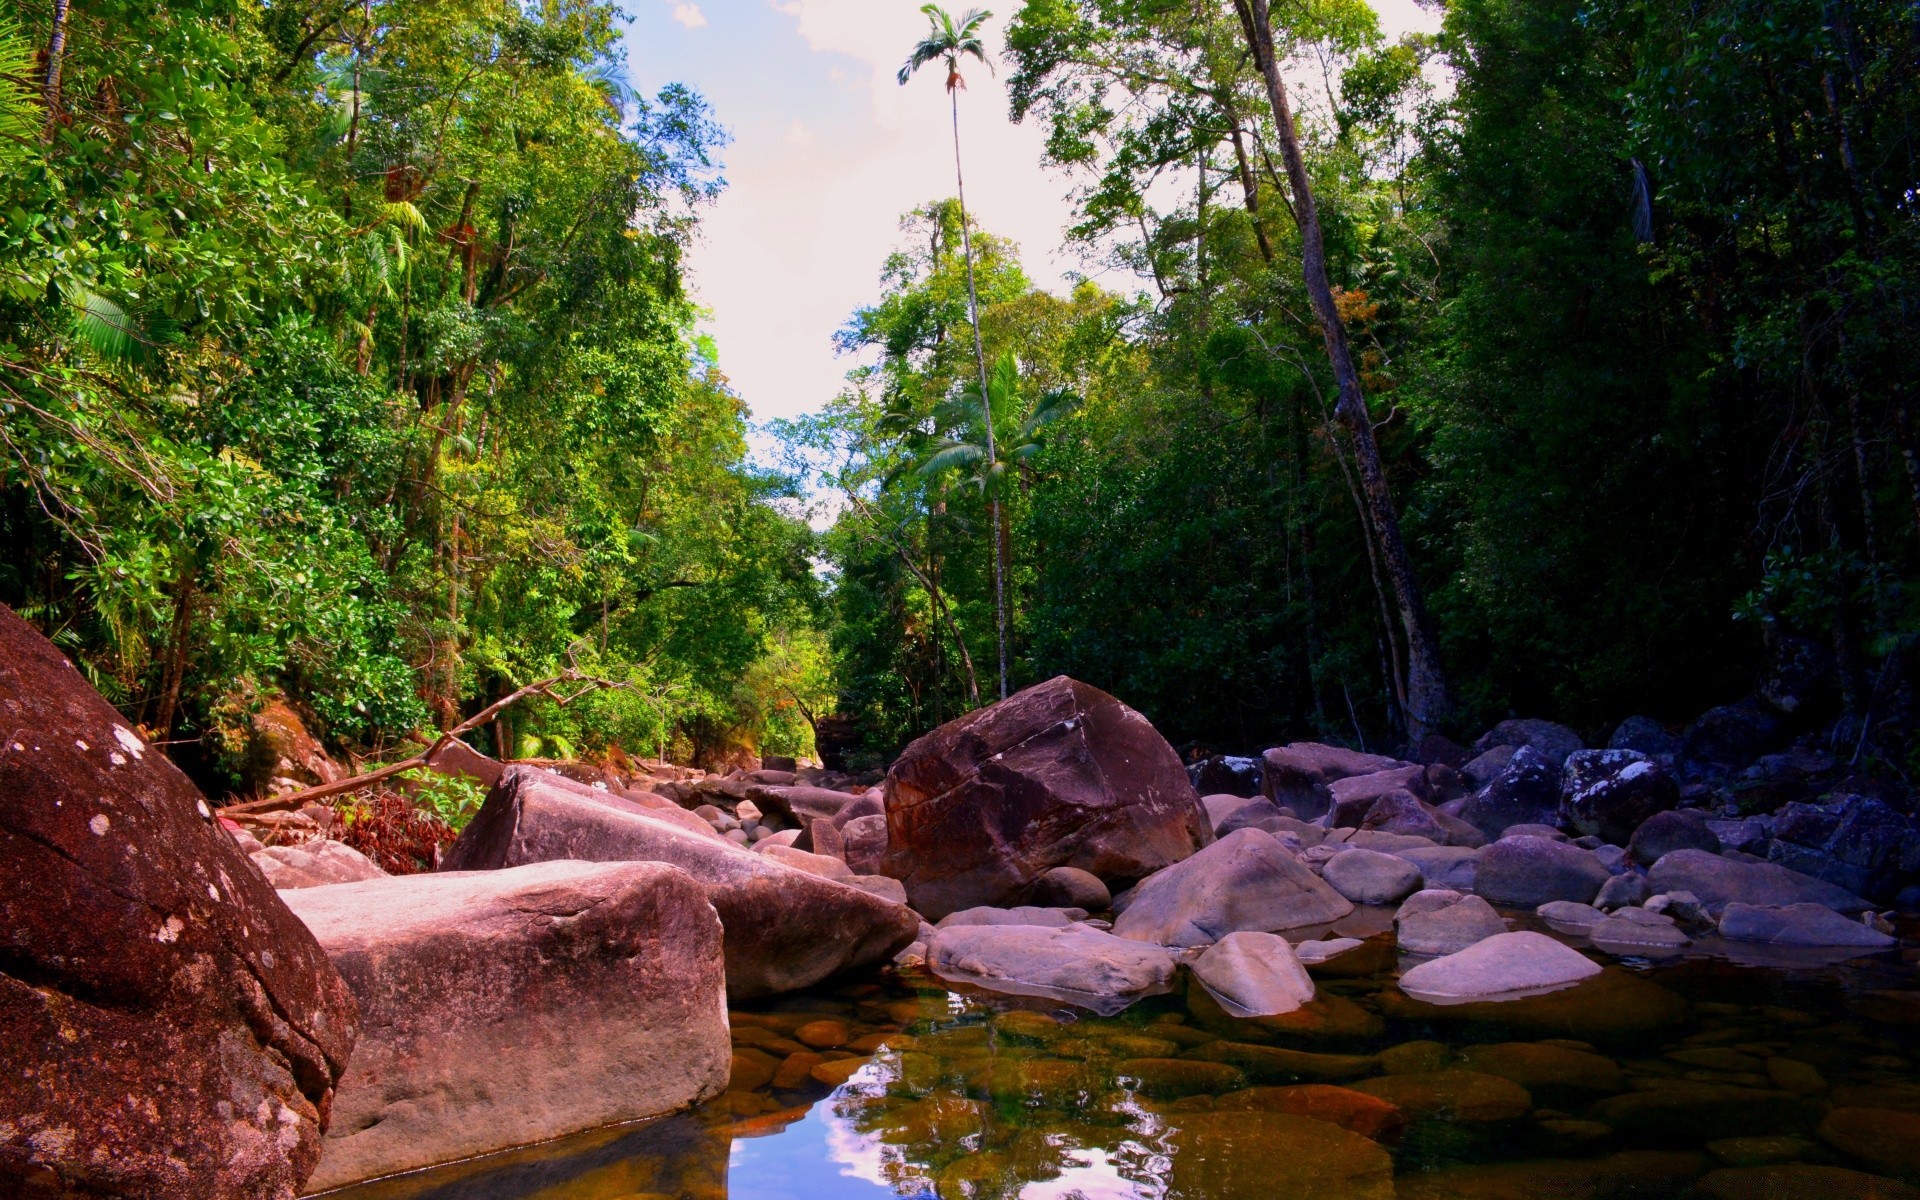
x=688 y=14
x=798 y=134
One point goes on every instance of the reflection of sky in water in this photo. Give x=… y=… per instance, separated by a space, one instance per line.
x=824 y=1155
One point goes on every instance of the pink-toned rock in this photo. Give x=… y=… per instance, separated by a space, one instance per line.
x=785 y=928
x=314 y=864
x=1058 y=775
x=1300 y=775
x=507 y=1007
x=167 y=1027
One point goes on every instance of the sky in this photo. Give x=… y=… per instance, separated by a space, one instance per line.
x=828 y=151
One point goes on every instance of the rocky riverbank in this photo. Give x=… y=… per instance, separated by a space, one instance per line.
x=571 y=963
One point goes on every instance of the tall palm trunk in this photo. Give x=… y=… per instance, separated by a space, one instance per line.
x=56 y=59
x=980 y=358
x=1428 y=702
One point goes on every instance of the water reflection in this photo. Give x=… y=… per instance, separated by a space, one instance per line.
x=1699 y=1078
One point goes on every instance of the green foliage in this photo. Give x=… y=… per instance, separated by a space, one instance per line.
x=344 y=355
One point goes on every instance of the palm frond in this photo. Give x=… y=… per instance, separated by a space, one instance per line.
x=103 y=325
x=20 y=114
x=953 y=456
x=403 y=214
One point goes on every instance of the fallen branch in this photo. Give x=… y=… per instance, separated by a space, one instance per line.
x=548 y=687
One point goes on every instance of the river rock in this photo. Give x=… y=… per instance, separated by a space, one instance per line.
x=1246 y=880
x=311 y=864
x=864 y=842
x=1504 y=963
x=1732 y=735
x=1074 y=964
x=1221 y=805
x=1450 y=867
x=1526 y=872
x=1058 y=775
x=170 y=1029
x=1299 y=776
x=1450 y=1095
x=1368 y=1116
x=1719 y=881
x=1025 y=914
x=1798 y=925
x=1646 y=736
x=1623 y=891
x=1884 y=1139
x=508 y=1007
x=1254 y=975
x=1570 y=916
x=1800 y=1181
x=785 y=928
x=1263 y=1155
x=1070 y=887
x=1664 y=832
x=1438 y=921
x=1370 y=877
x=1524 y=789
x=1403 y=813
x=1637 y=931
x=1542 y=1067
x=1554 y=742
x=1225 y=773
x=1609 y=793
x=1859 y=843
x=1355 y=794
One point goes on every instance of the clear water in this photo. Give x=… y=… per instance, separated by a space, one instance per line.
x=1703 y=1077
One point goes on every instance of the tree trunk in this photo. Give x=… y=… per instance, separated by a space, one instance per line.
x=986 y=402
x=1428 y=702
x=56 y=57
x=174 y=676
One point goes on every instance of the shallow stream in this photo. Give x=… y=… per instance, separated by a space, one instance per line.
x=1703 y=1077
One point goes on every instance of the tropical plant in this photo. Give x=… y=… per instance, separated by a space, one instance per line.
x=948 y=41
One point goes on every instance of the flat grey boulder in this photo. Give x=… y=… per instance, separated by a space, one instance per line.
x=1507 y=964
x=1371 y=877
x=1526 y=872
x=1798 y=925
x=1438 y=921
x=312 y=864
x=507 y=1007
x=1720 y=881
x=1246 y=880
x=1074 y=964
x=1254 y=975
x=1637 y=931
x=785 y=928
x=1316 y=952
x=1444 y=866
x=1570 y=916
x=1051 y=918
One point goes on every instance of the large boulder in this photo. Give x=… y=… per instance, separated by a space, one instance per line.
x=1553 y=741
x=1676 y=829
x=1353 y=796
x=1371 y=877
x=513 y=1006
x=1072 y=963
x=1524 y=791
x=1798 y=925
x=1246 y=880
x=1254 y=975
x=1719 y=881
x=1300 y=775
x=1732 y=735
x=1527 y=872
x=1608 y=793
x=785 y=928
x=1226 y=774
x=1058 y=775
x=1859 y=843
x=1407 y=815
x=170 y=1029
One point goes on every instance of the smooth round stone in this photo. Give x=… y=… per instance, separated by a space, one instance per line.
x=1371 y=877
x=1800 y=1181
x=1265 y=1155
x=1570 y=915
x=1685 y=1111
x=1501 y=965
x=1171 y=1078
x=1049 y=1082
x=1254 y=974
x=1346 y=957
x=1759 y=1151
x=837 y=1072
x=937 y=1120
x=1796 y=1076
x=1413 y=1058
x=1070 y=887
x=1275 y=1064
x=752 y=1070
x=1543 y=1068
x=1030 y=1026
x=1129 y=1045
x=1325 y=1016
x=1640 y=1173
x=1451 y=1095
x=1368 y=1116
x=1883 y=1139
x=1619 y=935
x=823 y=1035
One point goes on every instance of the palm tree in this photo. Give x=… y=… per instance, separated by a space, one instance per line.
x=950 y=41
